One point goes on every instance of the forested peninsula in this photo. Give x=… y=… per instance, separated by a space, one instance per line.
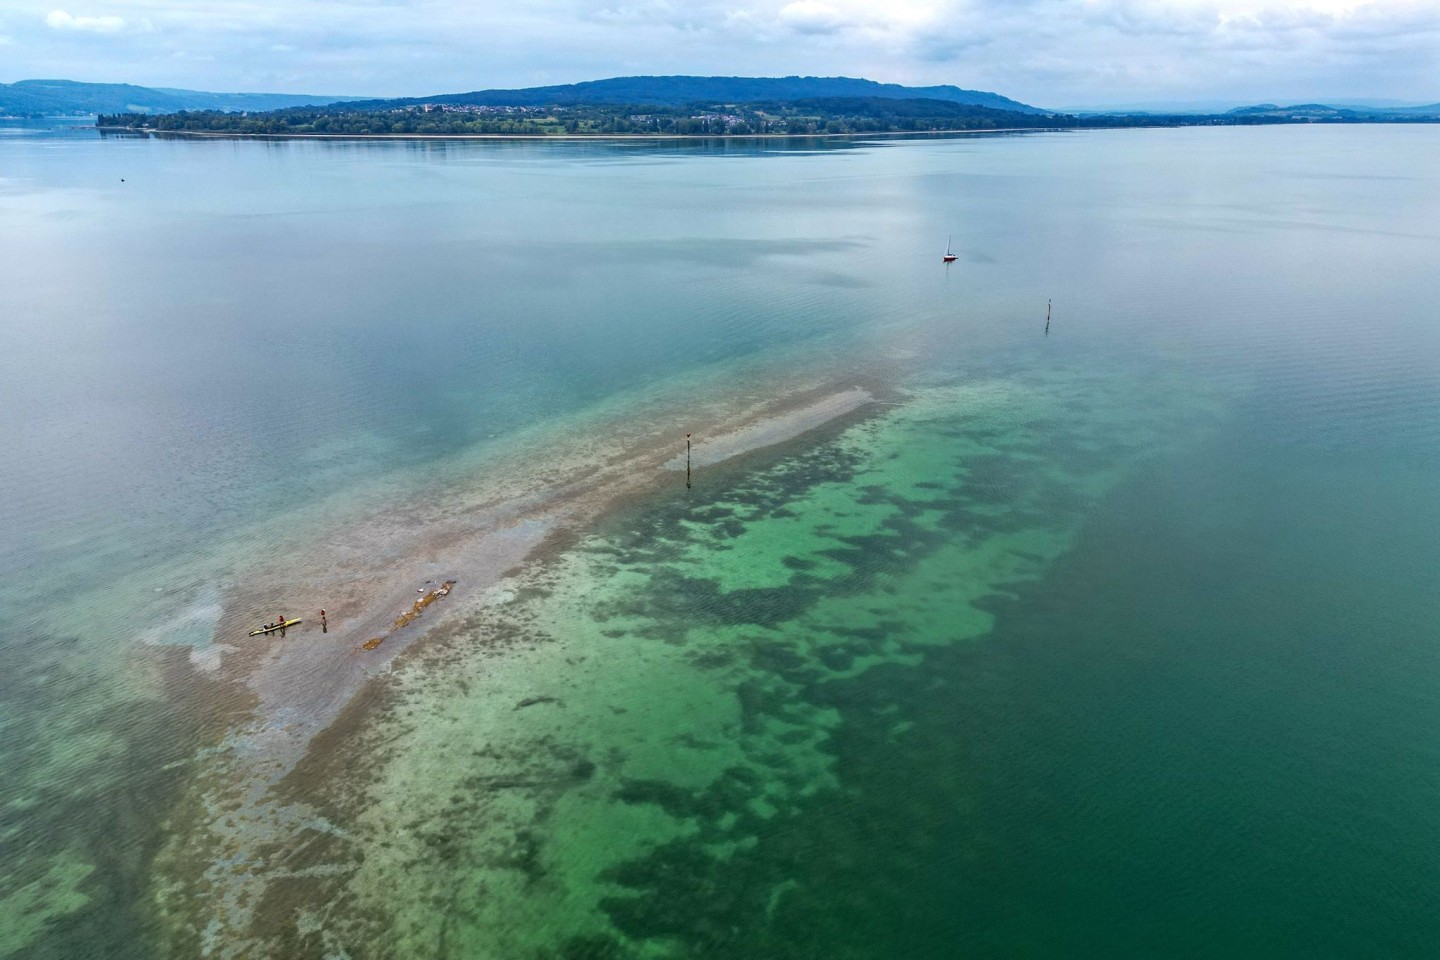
x=827 y=115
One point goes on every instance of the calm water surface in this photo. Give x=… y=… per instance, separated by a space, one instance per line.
x=1120 y=640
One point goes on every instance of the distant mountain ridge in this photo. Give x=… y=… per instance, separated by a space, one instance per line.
x=72 y=97
x=680 y=90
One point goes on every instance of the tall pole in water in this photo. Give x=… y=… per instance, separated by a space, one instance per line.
x=687 y=461
x=1047 y=317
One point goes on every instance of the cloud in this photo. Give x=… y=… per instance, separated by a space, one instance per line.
x=1066 y=51
x=812 y=16
x=60 y=20
x=1047 y=52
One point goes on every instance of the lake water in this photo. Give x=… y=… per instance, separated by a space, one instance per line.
x=1119 y=638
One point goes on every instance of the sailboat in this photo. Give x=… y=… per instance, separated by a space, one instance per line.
x=949 y=257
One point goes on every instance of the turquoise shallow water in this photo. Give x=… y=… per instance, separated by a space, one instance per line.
x=1118 y=640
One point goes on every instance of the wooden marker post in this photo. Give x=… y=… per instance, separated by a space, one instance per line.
x=687 y=461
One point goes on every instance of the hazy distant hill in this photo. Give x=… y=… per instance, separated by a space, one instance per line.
x=676 y=91
x=1316 y=111
x=1429 y=110
x=69 y=97
x=1322 y=111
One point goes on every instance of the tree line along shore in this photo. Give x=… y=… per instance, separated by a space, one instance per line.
x=817 y=116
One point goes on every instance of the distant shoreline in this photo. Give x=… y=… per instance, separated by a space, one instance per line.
x=1175 y=123
x=870 y=135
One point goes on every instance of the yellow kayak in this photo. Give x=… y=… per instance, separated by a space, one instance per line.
x=278 y=626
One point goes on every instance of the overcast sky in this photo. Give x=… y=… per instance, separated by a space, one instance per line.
x=1047 y=52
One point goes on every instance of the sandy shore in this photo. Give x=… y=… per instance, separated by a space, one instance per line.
x=768 y=431
x=295 y=686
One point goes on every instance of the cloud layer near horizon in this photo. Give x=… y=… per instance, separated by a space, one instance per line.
x=1049 y=52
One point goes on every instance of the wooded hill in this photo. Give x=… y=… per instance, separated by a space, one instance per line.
x=681 y=90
